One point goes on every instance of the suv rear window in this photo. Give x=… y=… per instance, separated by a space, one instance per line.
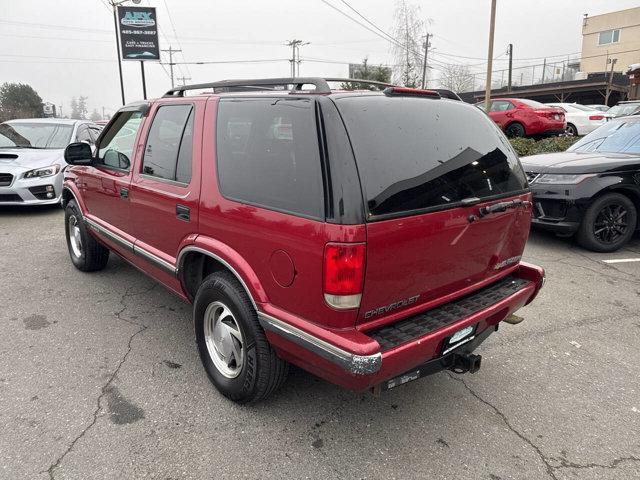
x=417 y=154
x=268 y=154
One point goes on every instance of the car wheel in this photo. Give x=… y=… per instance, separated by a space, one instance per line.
x=515 y=129
x=86 y=253
x=233 y=348
x=571 y=129
x=608 y=223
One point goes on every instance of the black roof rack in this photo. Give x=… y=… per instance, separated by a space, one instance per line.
x=269 y=83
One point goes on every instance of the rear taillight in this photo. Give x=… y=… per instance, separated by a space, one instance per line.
x=596 y=117
x=343 y=274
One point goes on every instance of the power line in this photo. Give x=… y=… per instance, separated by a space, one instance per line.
x=173 y=27
x=369 y=21
x=215 y=62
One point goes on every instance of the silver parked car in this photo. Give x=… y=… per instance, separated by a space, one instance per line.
x=32 y=157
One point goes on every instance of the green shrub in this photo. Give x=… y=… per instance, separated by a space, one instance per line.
x=529 y=146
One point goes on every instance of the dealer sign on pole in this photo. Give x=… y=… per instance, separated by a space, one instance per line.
x=138 y=33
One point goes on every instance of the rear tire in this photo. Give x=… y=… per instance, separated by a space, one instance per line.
x=514 y=130
x=608 y=224
x=232 y=345
x=571 y=129
x=86 y=253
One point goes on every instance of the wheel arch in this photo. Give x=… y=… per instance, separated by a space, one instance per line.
x=68 y=194
x=632 y=193
x=195 y=262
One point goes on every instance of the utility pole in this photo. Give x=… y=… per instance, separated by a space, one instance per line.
x=492 y=28
x=171 y=51
x=510 y=52
x=427 y=44
x=610 y=81
x=183 y=80
x=295 y=55
x=544 y=69
x=114 y=5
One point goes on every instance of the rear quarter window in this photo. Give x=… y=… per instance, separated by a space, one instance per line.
x=418 y=154
x=268 y=154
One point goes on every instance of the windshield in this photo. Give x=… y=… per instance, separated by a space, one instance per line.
x=417 y=153
x=35 y=135
x=532 y=103
x=616 y=136
x=623 y=109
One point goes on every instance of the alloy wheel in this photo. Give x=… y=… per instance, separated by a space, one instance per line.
x=611 y=223
x=75 y=236
x=223 y=339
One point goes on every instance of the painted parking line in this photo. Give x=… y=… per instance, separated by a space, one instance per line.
x=622 y=260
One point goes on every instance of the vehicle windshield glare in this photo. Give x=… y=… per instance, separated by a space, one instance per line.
x=623 y=109
x=622 y=136
x=35 y=135
x=584 y=108
x=532 y=103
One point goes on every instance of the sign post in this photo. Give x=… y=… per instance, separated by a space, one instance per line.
x=139 y=36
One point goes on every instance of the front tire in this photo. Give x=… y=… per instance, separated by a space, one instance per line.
x=86 y=253
x=608 y=224
x=233 y=348
x=515 y=130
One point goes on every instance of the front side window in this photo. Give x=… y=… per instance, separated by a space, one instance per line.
x=268 y=154
x=609 y=36
x=35 y=135
x=116 y=146
x=167 y=153
x=416 y=154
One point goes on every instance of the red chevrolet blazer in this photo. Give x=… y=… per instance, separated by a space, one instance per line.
x=370 y=237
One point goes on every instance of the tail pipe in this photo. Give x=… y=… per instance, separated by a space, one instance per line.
x=463 y=363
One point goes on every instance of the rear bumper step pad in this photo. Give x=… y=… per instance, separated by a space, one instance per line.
x=404 y=331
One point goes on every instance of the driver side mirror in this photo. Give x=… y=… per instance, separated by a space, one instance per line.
x=78 y=153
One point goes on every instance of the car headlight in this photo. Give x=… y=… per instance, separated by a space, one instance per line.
x=553 y=179
x=42 y=172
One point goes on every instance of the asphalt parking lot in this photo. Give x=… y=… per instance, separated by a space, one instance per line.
x=100 y=378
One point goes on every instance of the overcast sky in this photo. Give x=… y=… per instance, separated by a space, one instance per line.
x=66 y=48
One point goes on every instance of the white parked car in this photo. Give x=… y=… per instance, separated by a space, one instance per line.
x=580 y=118
x=32 y=157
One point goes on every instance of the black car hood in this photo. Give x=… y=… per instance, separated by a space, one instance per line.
x=575 y=163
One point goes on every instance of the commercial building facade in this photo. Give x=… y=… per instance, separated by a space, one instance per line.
x=614 y=35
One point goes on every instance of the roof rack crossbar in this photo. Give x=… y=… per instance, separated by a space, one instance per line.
x=320 y=84
x=381 y=85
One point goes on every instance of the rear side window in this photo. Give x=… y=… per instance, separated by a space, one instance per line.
x=167 y=153
x=268 y=154
x=417 y=154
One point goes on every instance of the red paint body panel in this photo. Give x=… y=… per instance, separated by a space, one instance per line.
x=437 y=256
x=254 y=233
x=535 y=121
x=409 y=355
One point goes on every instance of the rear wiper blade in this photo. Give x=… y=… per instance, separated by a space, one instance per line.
x=503 y=206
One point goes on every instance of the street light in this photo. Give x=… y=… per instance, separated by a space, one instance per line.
x=114 y=4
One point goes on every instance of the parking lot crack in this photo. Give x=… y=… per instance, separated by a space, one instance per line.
x=564 y=463
x=550 y=469
x=105 y=388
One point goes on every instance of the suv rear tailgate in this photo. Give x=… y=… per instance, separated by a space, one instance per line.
x=427 y=166
x=418 y=259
